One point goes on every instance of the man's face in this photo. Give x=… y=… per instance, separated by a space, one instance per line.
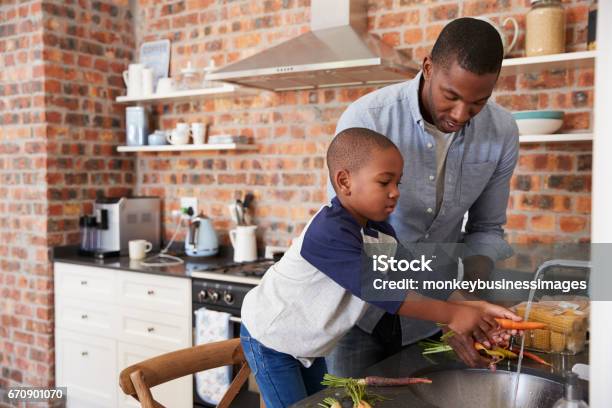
x=454 y=95
x=374 y=187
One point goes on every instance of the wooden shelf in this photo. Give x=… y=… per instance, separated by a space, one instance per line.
x=556 y=137
x=220 y=91
x=568 y=60
x=187 y=147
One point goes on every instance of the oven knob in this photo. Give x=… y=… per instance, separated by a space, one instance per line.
x=202 y=295
x=214 y=296
x=229 y=298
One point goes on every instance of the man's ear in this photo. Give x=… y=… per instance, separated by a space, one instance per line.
x=427 y=68
x=343 y=182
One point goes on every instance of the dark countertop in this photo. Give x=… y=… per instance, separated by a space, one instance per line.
x=410 y=362
x=70 y=254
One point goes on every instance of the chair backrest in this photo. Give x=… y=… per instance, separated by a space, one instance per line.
x=138 y=379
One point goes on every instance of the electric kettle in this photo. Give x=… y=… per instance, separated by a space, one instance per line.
x=201 y=237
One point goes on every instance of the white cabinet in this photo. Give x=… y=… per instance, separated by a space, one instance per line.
x=85 y=365
x=108 y=319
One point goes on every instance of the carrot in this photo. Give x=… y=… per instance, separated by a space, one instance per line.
x=387 y=382
x=495 y=351
x=508 y=324
x=532 y=356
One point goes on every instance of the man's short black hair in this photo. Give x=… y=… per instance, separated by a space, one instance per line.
x=474 y=44
x=352 y=148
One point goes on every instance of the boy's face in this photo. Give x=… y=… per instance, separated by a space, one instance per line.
x=373 y=191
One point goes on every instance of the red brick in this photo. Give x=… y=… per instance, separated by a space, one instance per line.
x=572 y=224
x=543 y=222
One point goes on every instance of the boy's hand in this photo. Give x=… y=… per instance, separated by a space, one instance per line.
x=471 y=321
x=463 y=346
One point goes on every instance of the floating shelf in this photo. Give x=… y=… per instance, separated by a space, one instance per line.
x=220 y=91
x=187 y=147
x=568 y=60
x=557 y=137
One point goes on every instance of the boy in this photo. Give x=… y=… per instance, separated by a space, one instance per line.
x=309 y=299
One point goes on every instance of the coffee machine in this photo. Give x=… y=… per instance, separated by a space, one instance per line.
x=116 y=221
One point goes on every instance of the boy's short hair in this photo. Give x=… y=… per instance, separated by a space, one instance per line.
x=352 y=147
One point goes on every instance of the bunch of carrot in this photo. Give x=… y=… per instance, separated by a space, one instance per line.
x=356 y=388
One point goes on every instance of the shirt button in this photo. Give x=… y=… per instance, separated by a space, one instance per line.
x=426 y=236
x=429 y=145
x=431 y=177
x=429 y=210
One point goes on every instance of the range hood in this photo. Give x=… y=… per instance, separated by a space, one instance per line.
x=337 y=51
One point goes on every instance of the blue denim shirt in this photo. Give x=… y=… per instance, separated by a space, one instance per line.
x=479 y=165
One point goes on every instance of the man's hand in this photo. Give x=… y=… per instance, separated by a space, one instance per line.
x=464 y=348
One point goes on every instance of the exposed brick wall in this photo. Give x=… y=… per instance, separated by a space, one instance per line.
x=551 y=189
x=61 y=71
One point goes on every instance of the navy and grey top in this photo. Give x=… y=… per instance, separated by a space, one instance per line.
x=309 y=299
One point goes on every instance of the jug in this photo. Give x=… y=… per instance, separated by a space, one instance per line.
x=201 y=237
x=244 y=243
x=515 y=34
x=133 y=79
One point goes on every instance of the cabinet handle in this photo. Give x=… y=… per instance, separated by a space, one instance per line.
x=84 y=353
x=150 y=292
x=83 y=283
x=150 y=329
x=84 y=316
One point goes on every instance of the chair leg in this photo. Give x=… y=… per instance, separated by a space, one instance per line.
x=142 y=390
x=261 y=403
x=236 y=384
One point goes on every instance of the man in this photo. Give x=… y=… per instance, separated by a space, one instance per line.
x=460 y=150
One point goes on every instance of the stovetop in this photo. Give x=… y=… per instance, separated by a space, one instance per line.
x=245 y=272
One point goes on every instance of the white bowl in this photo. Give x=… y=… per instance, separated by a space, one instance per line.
x=538 y=126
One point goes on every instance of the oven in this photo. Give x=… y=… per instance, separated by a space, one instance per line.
x=223 y=289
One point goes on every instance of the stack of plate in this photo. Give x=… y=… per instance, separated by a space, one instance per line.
x=225 y=139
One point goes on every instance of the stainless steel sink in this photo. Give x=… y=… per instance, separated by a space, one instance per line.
x=458 y=388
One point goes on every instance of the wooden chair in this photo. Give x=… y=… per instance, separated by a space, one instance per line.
x=137 y=380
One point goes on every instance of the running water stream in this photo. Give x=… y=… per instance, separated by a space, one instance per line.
x=576 y=264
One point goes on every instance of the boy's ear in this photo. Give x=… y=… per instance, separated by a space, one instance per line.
x=343 y=182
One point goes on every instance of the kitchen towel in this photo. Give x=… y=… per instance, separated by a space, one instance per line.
x=213 y=326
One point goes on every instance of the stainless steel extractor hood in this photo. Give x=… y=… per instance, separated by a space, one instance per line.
x=336 y=52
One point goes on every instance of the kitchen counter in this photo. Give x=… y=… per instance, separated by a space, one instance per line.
x=70 y=254
x=410 y=362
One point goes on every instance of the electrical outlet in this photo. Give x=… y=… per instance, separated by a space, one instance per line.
x=192 y=202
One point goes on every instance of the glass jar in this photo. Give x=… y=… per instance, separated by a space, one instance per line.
x=191 y=78
x=545 y=31
x=592 y=30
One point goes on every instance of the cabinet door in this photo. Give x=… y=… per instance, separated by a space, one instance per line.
x=84 y=282
x=176 y=394
x=153 y=292
x=87 y=366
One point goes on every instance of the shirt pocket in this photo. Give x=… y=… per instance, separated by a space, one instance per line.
x=474 y=179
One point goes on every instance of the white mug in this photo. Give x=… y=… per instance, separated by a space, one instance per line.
x=147 y=82
x=198 y=132
x=244 y=243
x=164 y=86
x=515 y=34
x=138 y=248
x=133 y=79
x=179 y=135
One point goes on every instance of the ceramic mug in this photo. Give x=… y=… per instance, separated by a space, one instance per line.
x=198 y=132
x=138 y=248
x=147 y=82
x=179 y=135
x=164 y=86
x=158 y=138
x=515 y=34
